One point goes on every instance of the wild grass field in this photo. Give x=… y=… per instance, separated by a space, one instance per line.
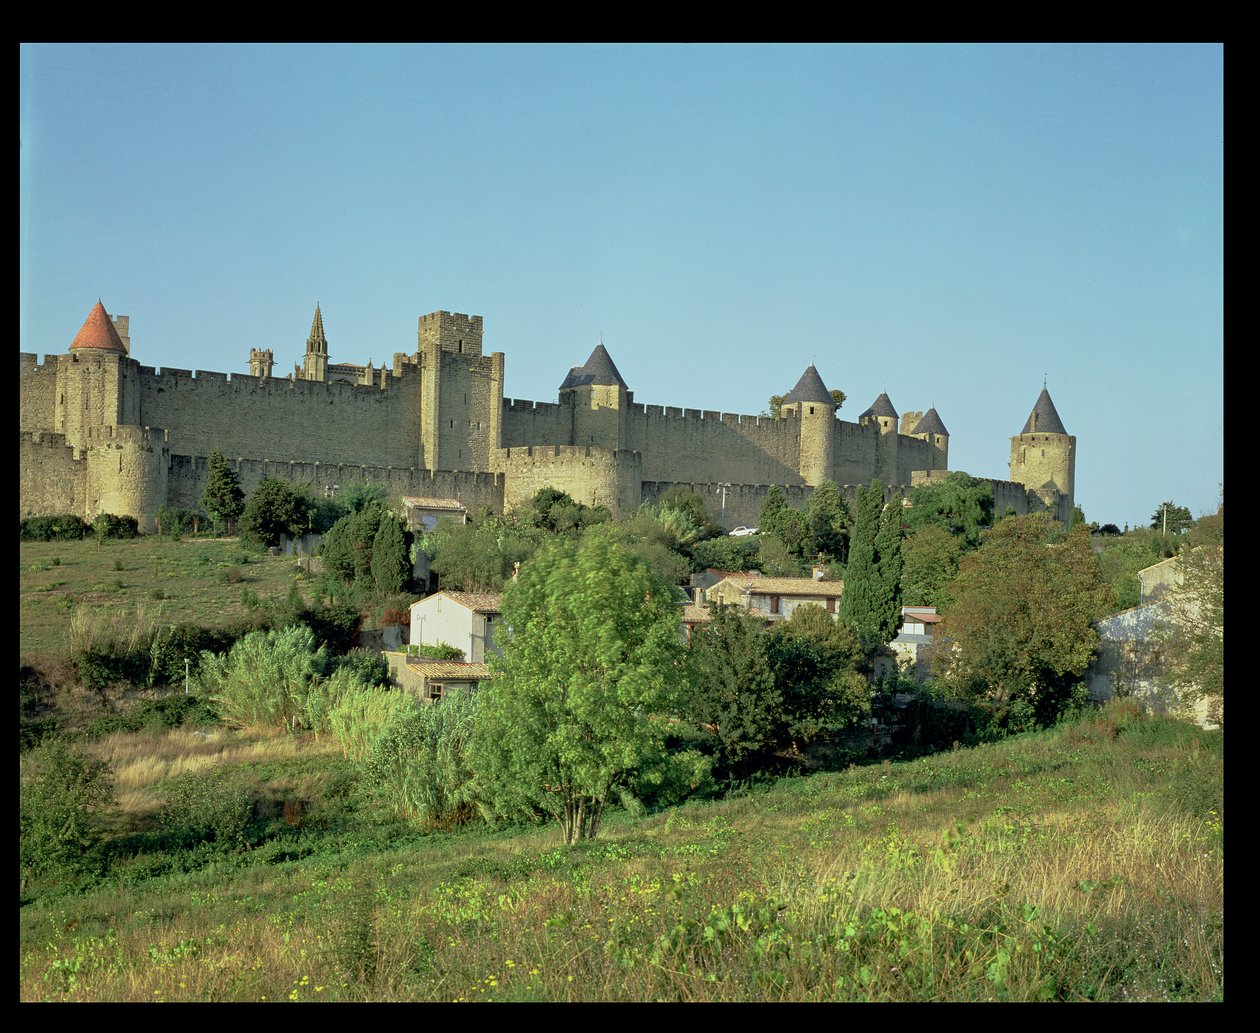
x=149 y=580
x=1083 y=863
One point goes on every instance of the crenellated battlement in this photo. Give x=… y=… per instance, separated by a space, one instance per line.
x=122 y=434
x=564 y=452
x=100 y=429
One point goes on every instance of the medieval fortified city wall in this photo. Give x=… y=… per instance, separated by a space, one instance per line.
x=101 y=433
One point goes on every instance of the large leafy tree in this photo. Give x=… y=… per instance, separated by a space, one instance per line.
x=730 y=689
x=558 y=512
x=222 y=497
x=589 y=676
x=959 y=503
x=1121 y=559
x=368 y=547
x=1019 y=626
x=827 y=518
x=871 y=604
x=481 y=555
x=273 y=510
x=931 y=556
x=818 y=671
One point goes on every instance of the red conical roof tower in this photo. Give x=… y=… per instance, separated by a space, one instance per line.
x=98 y=332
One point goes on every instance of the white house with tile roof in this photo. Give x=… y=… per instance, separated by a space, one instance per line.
x=465 y=620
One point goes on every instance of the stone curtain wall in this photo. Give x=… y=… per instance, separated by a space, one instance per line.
x=52 y=479
x=188 y=476
x=37 y=392
x=694 y=445
x=283 y=419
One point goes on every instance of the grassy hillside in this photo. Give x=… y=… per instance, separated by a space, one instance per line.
x=147 y=579
x=1084 y=863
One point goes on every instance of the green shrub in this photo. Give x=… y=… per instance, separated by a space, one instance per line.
x=101 y=667
x=36 y=717
x=65 y=527
x=335 y=626
x=361 y=716
x=369 y=666
x=419 y=766
x=170 y=646
x=266 y=677
x=61 y=798
x=108 y=526
x=206 y=807
x=157 y=715
x=175 y=523
x=441 y=651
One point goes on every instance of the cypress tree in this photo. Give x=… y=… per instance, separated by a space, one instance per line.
x=390 y=568
x=222 y=497
x=871 y=604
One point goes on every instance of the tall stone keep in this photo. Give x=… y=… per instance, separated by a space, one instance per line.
x=1043 y=457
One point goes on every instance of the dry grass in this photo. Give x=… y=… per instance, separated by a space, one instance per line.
x=111 y=579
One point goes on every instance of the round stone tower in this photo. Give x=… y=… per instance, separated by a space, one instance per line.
x=932 y=430
x=811 y=403
x=883 y=416
x=127 y=472
x=1043 y=457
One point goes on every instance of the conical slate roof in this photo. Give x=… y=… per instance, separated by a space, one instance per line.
x=882 y=406
x=810 y=388
x=98 y=332
x=598 y=369
x=930 y=424
x=1044 y=418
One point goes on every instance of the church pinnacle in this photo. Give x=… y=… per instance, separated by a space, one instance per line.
x=317 y=342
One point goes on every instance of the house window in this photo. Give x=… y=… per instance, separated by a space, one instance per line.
x=831 y=604
x=774 y=604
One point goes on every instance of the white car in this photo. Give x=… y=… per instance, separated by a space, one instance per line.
x=739 y=532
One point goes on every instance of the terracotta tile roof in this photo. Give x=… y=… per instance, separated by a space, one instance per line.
x=804 y=586
x=98 y=332
x=693 y=614
x=478 y=602
x=447 y=668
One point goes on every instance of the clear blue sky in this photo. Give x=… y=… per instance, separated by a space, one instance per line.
x=947 y=223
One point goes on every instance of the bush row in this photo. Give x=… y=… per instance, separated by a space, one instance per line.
x=67 y=527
